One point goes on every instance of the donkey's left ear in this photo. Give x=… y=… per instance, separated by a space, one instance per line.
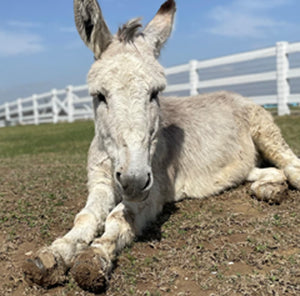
x=159 y=29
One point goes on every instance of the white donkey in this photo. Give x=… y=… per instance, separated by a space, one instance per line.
x=148 y=151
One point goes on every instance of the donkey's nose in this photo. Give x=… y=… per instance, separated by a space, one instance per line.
x=134 y=183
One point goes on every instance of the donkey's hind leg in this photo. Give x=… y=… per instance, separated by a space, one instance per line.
x=269 y=184
x=270 y=143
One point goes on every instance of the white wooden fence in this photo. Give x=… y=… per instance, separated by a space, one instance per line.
x=268 y=85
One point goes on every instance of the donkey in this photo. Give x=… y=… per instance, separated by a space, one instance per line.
x=149 y=150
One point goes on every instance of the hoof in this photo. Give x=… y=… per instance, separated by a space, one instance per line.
x=90 y=270
x=45 y=269
x=271 y=192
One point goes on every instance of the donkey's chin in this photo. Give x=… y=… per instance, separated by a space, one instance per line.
x=137 y=198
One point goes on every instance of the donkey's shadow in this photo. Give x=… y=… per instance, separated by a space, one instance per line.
x=153 y=231
x=175 y=135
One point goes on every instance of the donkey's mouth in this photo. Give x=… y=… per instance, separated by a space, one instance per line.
x=137 y=198
x=146 y=195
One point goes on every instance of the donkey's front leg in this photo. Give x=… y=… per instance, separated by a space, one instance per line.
x=49 y=265
x=92 y=267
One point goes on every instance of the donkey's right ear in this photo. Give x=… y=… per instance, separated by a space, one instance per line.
x=91 y=26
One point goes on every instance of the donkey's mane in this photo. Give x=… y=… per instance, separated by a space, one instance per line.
x=130 y=31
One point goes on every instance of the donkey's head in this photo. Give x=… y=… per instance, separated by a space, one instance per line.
x=125 y=81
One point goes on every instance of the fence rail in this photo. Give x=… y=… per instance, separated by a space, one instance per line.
x=74 y=103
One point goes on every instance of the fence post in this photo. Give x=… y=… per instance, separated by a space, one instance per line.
x=20 y=111
x=7 y=114
x=194 y=79
x=283 y=87
x=54 y=105
x=70 y=99
x=35 y=109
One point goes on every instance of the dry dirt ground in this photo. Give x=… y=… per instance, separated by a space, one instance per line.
x=230 y=244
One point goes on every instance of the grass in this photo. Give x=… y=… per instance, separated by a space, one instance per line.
x=290 y=127
x=62 y=138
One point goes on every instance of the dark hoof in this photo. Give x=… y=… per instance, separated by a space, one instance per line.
x=44 y=270
x=90 y=271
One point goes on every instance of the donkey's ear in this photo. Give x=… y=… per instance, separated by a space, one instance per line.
x=91 y=26
x=160 y=28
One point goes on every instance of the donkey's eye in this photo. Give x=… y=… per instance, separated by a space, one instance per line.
x=101 y=98
x=154 y=96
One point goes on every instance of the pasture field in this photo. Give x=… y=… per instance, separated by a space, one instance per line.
x=230 y=244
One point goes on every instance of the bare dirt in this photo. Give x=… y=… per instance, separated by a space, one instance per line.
x=229 y=244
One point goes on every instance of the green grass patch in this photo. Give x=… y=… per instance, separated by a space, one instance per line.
x=290 y=128
x=62 y=138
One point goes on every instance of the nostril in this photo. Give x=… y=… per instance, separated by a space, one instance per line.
x=122 y=181
x=118 y=176
x=148 y=182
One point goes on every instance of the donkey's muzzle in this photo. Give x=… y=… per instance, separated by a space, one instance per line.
x=134 y=185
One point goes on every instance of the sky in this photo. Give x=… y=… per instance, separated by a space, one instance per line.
x=40 y=48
